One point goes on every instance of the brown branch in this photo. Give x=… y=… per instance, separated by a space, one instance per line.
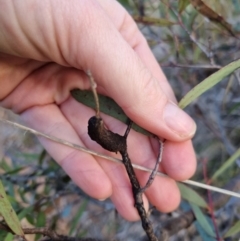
x=94 y=91
x=114 y=142
x=52 y=235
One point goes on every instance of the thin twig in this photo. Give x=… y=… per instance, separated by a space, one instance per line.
x=80 y=148
x=46 y=232
x=189 y=66
x=192 y=37
x=137 y=191
x=129 y=126
x=94 y=87
x=155 y=169
x=210 y=202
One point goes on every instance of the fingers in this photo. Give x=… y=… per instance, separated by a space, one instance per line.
x=121 y=188
x=81 y=167
x=96 y=177
x=179 y=160
x=163 y=193
x=49 y=84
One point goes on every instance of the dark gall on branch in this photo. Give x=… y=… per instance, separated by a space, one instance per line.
x=107 y=139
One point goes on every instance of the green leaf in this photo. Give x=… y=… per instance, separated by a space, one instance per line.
x=28 y=157
x=30 y=219
x=24 y=212
x=201 y=218
x=182 y=4
x=3 y=234
x=14 y=171
x=10 y=190
x=191 y=196
x=41 y=222
x=204 y=236
x=125 y=3
x=78 y=215
x=208 y=83
x=161 y=22
x=107 y=106
x=9 y=237
x=41 y=219
x=230 y=161
x=4 y=165
x=8 y=213
x=233 y=230
x=41 y=157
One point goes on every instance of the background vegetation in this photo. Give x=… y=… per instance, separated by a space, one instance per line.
x=191 y=41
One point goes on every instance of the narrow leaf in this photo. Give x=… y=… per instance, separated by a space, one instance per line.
x=5 y=166
x=107 y=106
x=230 y=161
x=201 y=218
x=233 y=230
x=206 y=11
x=204 y=236
x=41 y=222
x=8 y=213
x=9 y=237
x=125 y=3
x=162 y=22
x=24 y=212
x=208 y=83
x=191 y=196
x=14 y=171
x=41 y=219
x=182 y=4
x=77 y=217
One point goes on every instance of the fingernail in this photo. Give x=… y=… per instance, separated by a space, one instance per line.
x=178 y=121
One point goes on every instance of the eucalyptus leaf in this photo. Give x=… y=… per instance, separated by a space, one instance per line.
x=182 y=4
x=233 y=230
x=41 y=219
x=9 y=237
x=107 y=106
x=8 y=213
x=202 y=232
x=191 y=196
x=208 y=83
x=77 y=216
x=161 y=22
x=230 y=161
x=202 y=219
x=24 y=212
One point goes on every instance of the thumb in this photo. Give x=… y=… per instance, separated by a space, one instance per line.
x=122 y=65
x=144 y=101
x=127 y=72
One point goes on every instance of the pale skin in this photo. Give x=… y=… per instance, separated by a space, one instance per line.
x=46 y=47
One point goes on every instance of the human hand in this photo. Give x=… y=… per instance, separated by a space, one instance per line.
x=46 y=47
